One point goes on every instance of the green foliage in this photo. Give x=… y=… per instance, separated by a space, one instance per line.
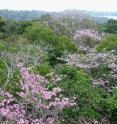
x=42 y=69
x=88 y=98
x=16 y=27
x=3 y=72
x=100 y=72
x=56 y=45
x=110 y=107
x=110 y=43
x=13 y=83
x=19 y=27
x=2 y=46
x=9 y=79
x=2 y=21
x=91 y=102
x=111 y=26
x=103 y=72
x=39 y=33
x=114 y=107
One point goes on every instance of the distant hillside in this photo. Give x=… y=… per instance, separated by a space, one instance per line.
x=77 y=14
x=21 y=15
x=28 y=15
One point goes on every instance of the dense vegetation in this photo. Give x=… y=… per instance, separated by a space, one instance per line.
x=58 y=70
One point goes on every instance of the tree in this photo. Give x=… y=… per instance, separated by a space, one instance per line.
x=111 y=26
x=56 y=45
x=108 y=44
x=2 y=21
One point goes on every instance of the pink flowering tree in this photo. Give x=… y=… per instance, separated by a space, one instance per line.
x=87 y=37
x=36 y=104
x=101 y=66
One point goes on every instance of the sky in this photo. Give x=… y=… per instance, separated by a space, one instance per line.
x=59 y=5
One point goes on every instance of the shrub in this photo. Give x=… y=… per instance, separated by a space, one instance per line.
x=110 y=43
x=54 y=44
x=2 y=46
x=3 y=72
x=42 y=69
x=111 y=26
x=9 y=77
x=2 y=21
x=88 y=98
x=41 y=34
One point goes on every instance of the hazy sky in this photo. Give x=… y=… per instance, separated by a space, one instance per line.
x=59 y=5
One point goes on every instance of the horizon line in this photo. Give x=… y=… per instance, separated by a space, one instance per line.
x=57 y=11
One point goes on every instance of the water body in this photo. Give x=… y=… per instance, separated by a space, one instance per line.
x=110 y=17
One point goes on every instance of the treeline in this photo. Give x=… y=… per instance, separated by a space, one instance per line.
x=21 y=15
x=29 y=15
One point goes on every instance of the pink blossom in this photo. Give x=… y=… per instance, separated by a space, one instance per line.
x=57 y=90
x=4 y=112
x=35 y=96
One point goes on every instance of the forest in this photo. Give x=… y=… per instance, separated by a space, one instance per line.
x=57 y=68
